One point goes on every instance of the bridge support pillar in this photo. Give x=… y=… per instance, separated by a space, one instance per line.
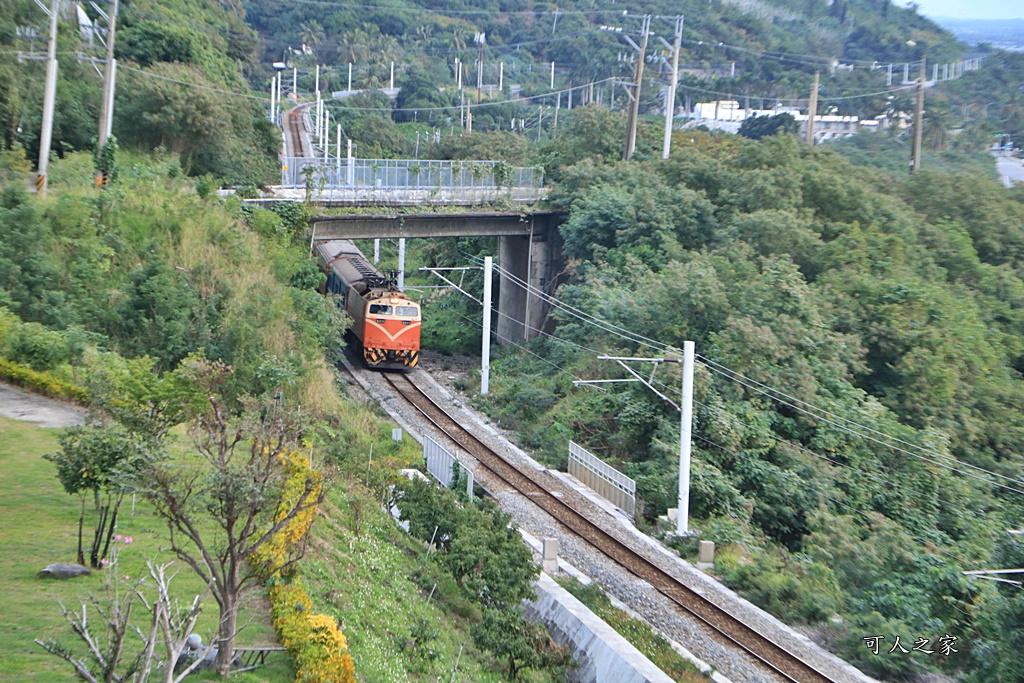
x=532 y=259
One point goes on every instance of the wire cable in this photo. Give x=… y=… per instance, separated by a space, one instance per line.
x=732 y=374
x=838 y=425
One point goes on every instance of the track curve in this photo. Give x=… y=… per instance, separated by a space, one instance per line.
x=771 y=655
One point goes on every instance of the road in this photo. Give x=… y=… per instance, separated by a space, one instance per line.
x=1011 y=170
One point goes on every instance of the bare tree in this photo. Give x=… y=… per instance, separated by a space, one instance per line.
x=105 y=660
x=225 y=506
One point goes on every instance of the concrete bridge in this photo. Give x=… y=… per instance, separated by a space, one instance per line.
x=529 y=251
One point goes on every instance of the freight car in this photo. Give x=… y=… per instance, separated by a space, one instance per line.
x=385 y=322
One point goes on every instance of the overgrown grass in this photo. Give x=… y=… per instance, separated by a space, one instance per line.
x=40 y=527
x=639 y=634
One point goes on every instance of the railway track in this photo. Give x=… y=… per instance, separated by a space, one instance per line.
x=295 y=131
x=774 y=657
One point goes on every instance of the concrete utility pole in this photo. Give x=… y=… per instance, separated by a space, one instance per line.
x=273 y=93
x=49 y=100
x=401 y=263
x=685 y=438
x=685 y=408
x=485 y=351
x=107 y=105
x=812 y=110
x=480 y=39
x=915 y=155
x=638 y=74
x=670 y=94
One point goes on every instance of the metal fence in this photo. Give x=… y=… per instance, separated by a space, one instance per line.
x=407 y=174
x=441 y=465
x=604 y=479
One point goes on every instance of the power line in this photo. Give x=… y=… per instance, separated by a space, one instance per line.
x=937 y=463
x=723 y=370
x=604 y=325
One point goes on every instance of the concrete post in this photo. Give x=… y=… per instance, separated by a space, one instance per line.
x=915 y=158
x=106 y=108
x=549 y=555
x=670 y=94
x=49 y=101
x=485 y=353
x=706 y=555
x=685 y=432
x=812 y=110
x=351 y=171
x=401 y=263
x=273 y=98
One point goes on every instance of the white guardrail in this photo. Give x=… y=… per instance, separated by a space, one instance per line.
x=603 y=479
x=441 y=465
x=408 y=174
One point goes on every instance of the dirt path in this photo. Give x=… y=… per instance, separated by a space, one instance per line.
x=18 y=405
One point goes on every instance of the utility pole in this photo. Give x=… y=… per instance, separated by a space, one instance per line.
x=638 y=74
x=49 y=99
x=107 y=105
x=915 y=155
x=401 y=263
x=670 y=94
x=480 y=40
x=812 y=110
x=686 y=418
x=485 y=352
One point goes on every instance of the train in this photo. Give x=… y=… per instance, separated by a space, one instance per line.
x=385 y=322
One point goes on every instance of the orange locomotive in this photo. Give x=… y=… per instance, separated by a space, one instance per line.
x=385 y=322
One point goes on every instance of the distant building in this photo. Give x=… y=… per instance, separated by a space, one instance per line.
x=728 y=115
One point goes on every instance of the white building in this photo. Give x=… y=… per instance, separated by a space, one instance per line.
x=727 y=115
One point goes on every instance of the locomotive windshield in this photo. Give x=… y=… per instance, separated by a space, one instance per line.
x=380 y=309
x=409 y=311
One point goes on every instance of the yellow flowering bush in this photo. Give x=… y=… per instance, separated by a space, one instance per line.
x=314 y=640
x=43 y=382
x=275 y=552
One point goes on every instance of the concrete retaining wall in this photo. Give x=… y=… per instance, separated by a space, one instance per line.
x=603 y=656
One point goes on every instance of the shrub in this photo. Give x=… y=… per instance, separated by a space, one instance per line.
x=314 y=640
x=33 y=345
x=43 y=382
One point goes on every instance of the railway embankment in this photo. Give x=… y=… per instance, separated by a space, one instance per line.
x=624 y=583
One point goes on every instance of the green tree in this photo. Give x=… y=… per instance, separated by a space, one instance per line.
x=224 y=506
x=757 y=127
x=101 y=459
x=521 y=644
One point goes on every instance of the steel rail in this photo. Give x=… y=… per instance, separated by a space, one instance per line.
x=770 y=654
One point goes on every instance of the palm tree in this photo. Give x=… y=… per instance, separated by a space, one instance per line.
x=935 y=135
x=311 y=33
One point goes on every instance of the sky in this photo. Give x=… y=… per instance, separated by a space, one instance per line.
x=972 y=9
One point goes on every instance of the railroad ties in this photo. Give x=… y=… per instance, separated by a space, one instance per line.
x=771 y=655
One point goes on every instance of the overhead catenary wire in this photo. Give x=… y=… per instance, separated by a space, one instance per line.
x=938 y=463
x=941 y=462
x=732 y=374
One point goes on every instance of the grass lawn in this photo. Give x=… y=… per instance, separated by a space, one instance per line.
x=40 y=527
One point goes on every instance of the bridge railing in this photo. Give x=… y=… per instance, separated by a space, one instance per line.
x=408 y=174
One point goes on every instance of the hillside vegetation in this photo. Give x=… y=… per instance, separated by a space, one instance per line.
x=858 y=398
